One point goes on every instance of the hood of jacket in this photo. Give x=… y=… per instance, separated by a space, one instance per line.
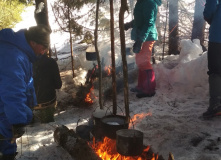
x=18 y=39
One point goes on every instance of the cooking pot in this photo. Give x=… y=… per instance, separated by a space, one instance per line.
x=91 y=54
x=97 y=115
x=83 y=131
x=129 y=142
x=112 y=123
x=97 y=126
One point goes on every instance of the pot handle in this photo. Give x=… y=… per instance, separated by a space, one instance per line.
x=98 y=107
x=108 y=108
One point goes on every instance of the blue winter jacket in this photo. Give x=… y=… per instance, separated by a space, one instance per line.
x=16 y=83
x=145 y=14
x=212 y=14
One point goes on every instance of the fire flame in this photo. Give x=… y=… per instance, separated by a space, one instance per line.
x=106 y=150
x=88 y=98
x=108 y=70
x=137 y=118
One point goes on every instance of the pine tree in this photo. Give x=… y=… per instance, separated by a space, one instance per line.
x=10 y=13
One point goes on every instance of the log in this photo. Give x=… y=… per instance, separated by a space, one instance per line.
x=78 y=148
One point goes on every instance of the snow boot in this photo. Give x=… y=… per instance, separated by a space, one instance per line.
x=138 y=88
x=148 y=84
x=215 y=97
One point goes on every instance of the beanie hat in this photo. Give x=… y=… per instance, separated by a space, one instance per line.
x=39 y=34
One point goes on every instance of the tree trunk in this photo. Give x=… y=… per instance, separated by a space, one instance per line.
x=76 y=147
x=98 y=57
x=113 y=74
x=71 y=42
x=173 y=27
x=198 y=23
x=123 y=8
x=41 y=15
x=41 y=12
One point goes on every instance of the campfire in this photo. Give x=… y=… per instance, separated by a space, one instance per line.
x=107 y=70
x=89 y=96
x=106 y=150
x=137 y=118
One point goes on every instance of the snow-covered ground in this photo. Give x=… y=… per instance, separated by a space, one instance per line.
x=173 y=125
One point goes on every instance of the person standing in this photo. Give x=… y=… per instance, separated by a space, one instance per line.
x=17 y=95
x=212 y=14
x=144 y=33
x=46 y=80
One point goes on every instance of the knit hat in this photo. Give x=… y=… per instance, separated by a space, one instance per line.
x=39 y=34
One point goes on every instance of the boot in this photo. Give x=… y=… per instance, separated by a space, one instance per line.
x=148 y=84
x=214 y=108
x=139 y=83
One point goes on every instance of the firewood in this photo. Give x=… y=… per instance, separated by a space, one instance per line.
x=74 y=145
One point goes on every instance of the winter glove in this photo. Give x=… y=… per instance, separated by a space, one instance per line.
x=137 y=46
x=128 y=25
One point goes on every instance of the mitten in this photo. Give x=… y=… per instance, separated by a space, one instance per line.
x=137 y=46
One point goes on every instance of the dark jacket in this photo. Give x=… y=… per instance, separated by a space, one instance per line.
x=16 y=85
x=212 y=14
x=145 y=14
x=46 y=79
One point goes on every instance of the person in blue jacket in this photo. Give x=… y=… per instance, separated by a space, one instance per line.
x=18 y=50
x=144 y=33
x=212 y=14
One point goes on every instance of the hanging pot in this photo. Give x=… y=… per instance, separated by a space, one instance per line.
x=97 y=115
x=97 y=126
x=91 y=54
x=83 y=131
x=129 y=142
x=112 y=123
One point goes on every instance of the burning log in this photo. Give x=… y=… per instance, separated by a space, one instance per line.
x=80 y=149
x=83 y=96
x=75 y=146
x=107 y=150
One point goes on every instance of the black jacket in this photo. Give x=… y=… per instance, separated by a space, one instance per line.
x=46 y=79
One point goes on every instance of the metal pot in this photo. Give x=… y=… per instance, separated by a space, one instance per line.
x=113 y=123
x=129 y=142
x=91 y=56
x=97 y=126
x=97 y=115
x=83 y=131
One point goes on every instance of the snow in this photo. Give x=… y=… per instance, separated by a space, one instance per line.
x=172 y=122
